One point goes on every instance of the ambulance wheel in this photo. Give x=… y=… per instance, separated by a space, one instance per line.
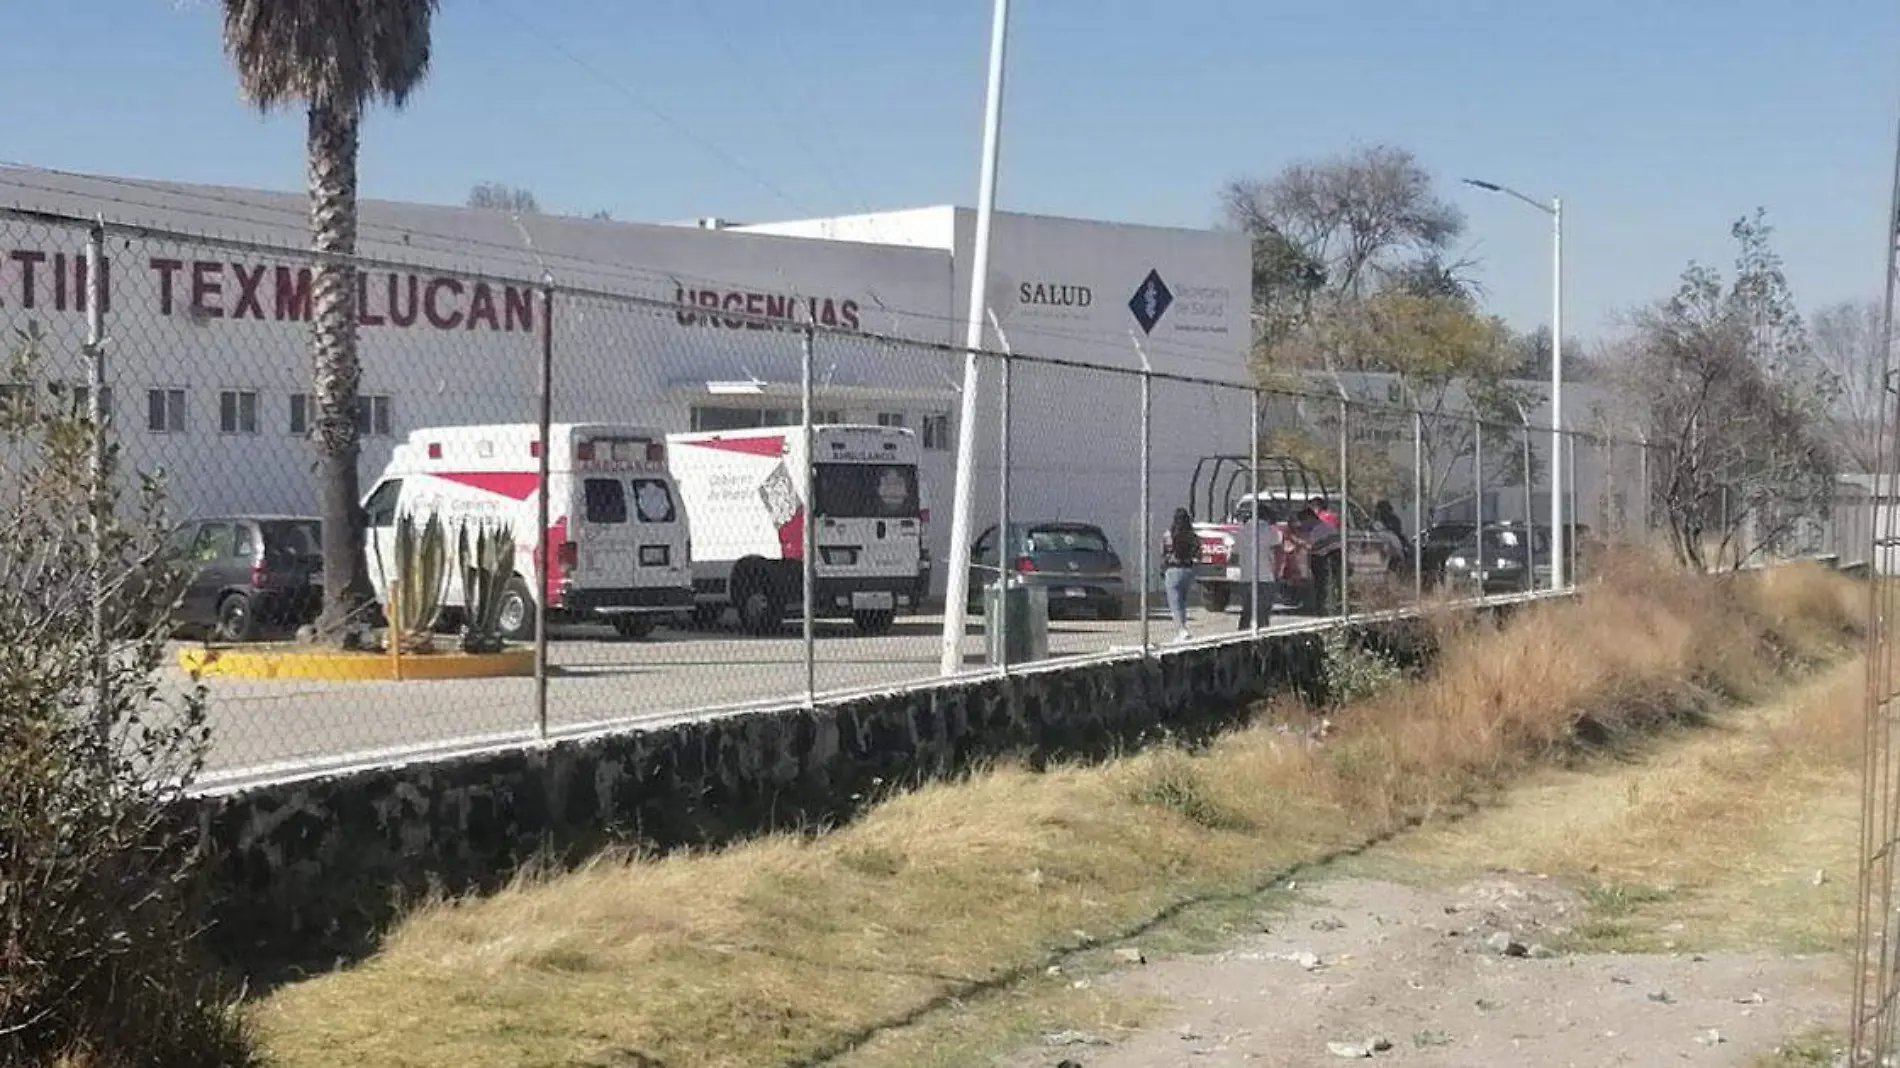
x=761 y=610
x=873 y=622
x=516 y=618
x=635 y=627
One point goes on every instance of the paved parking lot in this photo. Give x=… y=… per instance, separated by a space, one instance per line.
x=272 y=727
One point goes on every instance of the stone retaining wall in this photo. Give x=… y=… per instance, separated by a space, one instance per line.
x=319 y=866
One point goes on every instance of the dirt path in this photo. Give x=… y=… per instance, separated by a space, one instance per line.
x=1691 y=906
x=1370 y=969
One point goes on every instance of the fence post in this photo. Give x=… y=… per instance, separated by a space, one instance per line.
x=1147 y=508
x=1642 y=459
x=1477 y=496
x=1418 y=506
x=544 y=417
x=1345 y=501
x=1570 y=476
x=808 y=566
x=1530 y=515
x=98 y=493
x=1253 y=510
x=1005 y=550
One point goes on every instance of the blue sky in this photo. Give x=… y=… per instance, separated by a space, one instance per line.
x=1659 y=121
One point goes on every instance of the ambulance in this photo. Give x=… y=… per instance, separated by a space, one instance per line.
x=617 y=530
x=747 y=492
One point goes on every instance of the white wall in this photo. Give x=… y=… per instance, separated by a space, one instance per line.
x=1060 y=289
x=614 y=359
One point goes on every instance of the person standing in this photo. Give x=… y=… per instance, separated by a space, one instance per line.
x=1180 y=552
x=1258 y=544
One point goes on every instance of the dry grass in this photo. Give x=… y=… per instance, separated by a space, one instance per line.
x=785 y=950
x=1740 y=838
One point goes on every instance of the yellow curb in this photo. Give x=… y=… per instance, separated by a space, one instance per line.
x=282 y=661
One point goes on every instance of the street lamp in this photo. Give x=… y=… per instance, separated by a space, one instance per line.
x=1554 y=209
x=964 y=490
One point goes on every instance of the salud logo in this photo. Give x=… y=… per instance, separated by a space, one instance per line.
x=1151 y=301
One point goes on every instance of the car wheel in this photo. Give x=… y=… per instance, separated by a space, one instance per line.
x=1216 y=598
x=760 y=610
x=635 y=627
x=874 y=623
x=1113 y=610
x=515 y=619
x=235 y=621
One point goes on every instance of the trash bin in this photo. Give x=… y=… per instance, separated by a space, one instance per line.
x=1018 y=615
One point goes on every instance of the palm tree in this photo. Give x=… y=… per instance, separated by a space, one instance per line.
x=335 y=58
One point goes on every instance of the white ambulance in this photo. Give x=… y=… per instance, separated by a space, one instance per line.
x=618 y=534
x=747 y=491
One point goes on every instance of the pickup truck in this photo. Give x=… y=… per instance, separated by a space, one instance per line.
x=1223 y=494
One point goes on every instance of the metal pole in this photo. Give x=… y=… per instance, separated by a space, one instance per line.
x=1571 y=477
x=957 y=585
x=98 y=492
x=1147 y=508
x=1477 y=495
x=543 y=420
x=1642 y=459
x=1418 y=506
x=1345 y=503
x=1005 y=550
x=808 y=580
x=1556 y=383
x=1253 y=513
x=1530 y=526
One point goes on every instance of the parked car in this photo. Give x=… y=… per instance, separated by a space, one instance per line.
x=1074 y=562
x=1511 y=558
x=243 y=575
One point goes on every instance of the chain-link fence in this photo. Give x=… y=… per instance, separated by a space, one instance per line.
x=722 y=498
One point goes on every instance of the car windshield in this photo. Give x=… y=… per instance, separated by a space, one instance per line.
x=1067 y=540
x=298 y=537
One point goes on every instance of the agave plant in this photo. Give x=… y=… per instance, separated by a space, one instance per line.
x=486 y=565
x=416 y=590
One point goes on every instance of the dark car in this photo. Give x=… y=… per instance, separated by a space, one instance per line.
x=242 y=575
x=1073 y=562
x=1512 y=558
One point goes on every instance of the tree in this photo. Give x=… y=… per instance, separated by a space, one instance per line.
x=99 y=920
x=493 y=196
x=1725 y=381
x=1354 y=271
x=335 y=58
x=1531 y=357
x=1849 y=342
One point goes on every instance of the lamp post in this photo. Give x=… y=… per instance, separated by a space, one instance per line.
x=1555 y=209
x=957 y=584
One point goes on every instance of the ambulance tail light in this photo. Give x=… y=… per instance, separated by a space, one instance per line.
x=568 y=555
x=435 y=450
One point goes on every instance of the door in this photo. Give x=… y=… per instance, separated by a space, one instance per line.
x=659 y=534
x=379 y=533
x=605 y=545
x=211 y=550
x=868 y=524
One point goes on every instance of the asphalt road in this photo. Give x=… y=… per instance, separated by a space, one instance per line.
x=264 y=729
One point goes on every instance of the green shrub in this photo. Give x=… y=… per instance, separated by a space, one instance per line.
x=98 y=912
